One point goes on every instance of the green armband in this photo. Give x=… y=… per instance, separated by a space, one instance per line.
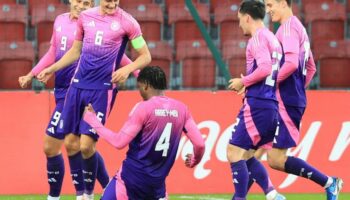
x=138 y=42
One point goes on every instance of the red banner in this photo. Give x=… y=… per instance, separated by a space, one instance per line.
x=325 y=138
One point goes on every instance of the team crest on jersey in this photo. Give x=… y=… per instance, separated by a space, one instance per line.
x=115 y=26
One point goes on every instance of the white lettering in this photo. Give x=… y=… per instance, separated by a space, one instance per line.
x=342 y=142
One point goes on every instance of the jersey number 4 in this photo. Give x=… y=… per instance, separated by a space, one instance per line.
x=163 y=142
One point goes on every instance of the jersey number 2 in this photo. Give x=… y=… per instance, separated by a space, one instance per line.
x=163 y=142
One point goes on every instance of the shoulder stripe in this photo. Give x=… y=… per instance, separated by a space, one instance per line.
x=287 y=27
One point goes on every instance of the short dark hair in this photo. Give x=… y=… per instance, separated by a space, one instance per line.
x=254 y=8
x=154 y=76
x=289 y=2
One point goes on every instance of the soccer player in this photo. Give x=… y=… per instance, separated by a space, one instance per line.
x=257 y=119
x=153 y=132
x=295 y=75
x=101 y=38
x=61 y=40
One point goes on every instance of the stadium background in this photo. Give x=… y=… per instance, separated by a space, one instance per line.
x=177 y=46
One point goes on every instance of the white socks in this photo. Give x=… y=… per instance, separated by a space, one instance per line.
x=271 y=195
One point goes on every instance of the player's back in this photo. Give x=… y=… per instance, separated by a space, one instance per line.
x=152 y=152
x=263 y=48
x=294 y=39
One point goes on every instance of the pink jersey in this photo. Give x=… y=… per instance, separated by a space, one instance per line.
x=153 y=132
x=263 y=56
x=63 y=36
x=296 y=46
x=104 y=40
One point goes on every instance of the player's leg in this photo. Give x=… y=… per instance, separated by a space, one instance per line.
x=102 y=102
x=239 y=144
x=102 y=174
x=259 y=174
x=72 y=144
x=52 y=148
x=89 y=164
x=287 y=137
x=110 y=192
x=54 y=165
x=239 y=171
x=69 y=123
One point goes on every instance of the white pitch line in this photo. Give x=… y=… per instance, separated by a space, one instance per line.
x=201 y=198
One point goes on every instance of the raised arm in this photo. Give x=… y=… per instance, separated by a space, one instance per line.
x=119 y=140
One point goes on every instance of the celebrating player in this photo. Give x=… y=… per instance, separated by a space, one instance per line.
x=257 y=120
x=100 y=42
x=153 y=132
x=295 y=75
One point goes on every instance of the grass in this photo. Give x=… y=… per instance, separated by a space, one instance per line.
x=190 y=197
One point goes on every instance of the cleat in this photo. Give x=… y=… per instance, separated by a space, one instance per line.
x=334 y=189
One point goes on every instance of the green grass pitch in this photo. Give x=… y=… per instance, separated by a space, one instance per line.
x=191 y=197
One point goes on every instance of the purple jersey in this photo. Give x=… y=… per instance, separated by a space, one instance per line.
x=63 y=36
x=104 y=40
x=263 y=50
x=293 y=37
x=152 y=152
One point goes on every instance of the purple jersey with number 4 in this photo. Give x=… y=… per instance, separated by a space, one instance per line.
x=161 y=121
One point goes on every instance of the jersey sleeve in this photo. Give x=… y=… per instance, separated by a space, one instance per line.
x=127 y=133
x=80 y=29
x=290 y=41
x=49 y=58
x=195 y=137
x=262 y=56
x=132 y=27
x=310 y=69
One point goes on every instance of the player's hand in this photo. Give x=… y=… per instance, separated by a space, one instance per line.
x=24 y=81
x=89 y=108
x=236 y=84
x=120 y=75
x=242 y=92
x=89 y=114
x=45 y=75
x=189 y=161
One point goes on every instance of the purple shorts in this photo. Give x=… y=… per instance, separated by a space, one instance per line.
x=73 y=110
x=51 y=129
x=287 y=134
x=255 y=126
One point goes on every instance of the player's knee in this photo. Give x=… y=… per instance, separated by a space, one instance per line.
x=87 y=150
x=275 y=162
x=50 y=150
x=72 y=147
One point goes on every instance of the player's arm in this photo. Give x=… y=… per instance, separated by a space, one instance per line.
x=291 y=46
x=71 y=56
x=125 y=61
x=143 y=59
x=196 y=139
x=263 y=59
x=47 y=60
x=310 y=70
x=121 y=139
